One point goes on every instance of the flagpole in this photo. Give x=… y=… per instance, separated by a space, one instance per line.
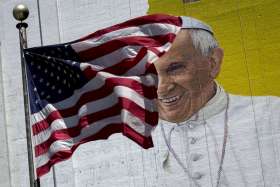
x=20 y=13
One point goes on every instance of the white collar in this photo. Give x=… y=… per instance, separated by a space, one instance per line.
x=213 y=107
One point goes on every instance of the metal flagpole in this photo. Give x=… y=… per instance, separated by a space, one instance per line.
x=20 y=13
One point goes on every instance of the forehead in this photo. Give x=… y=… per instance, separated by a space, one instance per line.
x=181 y=50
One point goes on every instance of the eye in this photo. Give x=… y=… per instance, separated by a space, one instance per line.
x=175 y=68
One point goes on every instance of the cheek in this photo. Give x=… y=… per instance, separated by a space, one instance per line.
x=187 y=81
x=203 y=77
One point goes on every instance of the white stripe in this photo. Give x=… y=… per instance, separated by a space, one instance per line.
x=165 y=47
x=92 y=129
x=90 y=108
x=153 y=29
x=115 y=57
x=150 y=57
x=140 y=68
x=137 y=124
x=123 y=53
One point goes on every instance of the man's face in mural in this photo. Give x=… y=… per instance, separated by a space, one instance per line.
x=186 y=79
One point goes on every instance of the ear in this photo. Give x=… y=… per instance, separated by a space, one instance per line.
x=216 y=61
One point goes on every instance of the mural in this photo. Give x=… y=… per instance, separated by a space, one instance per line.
x=218 y=137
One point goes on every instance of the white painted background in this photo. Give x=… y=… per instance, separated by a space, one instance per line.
x=100 y=163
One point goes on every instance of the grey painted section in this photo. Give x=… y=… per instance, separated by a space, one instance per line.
x=61 y=21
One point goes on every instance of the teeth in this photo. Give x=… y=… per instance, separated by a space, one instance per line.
x=170 y=99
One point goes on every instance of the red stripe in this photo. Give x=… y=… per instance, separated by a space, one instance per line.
x=156 y=51
x=149 y=19
x=114 y=44
x=145 y=142
x=45 y=124
x=63 y=134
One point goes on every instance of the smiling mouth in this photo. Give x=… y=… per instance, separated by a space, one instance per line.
x=169 y=100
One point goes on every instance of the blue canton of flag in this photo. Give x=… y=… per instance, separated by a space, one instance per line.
x=53 y=74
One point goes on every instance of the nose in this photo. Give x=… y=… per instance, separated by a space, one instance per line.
x=165 y=85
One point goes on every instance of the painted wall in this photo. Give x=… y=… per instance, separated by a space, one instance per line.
x=244 y=29
x=61 y=21
x=248 y=30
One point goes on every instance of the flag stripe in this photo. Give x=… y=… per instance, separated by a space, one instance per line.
x=88 y=120
x=40 y=123
x=118 y=56
x=144 y=30
x=103 y=134
x=86 y=94
x=90 y=129
x=122 y=67
x=151 y=19
x=110 y=46
x=56 y=124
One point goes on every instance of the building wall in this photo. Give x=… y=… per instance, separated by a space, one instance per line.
x=61 y=21
x=4 y=153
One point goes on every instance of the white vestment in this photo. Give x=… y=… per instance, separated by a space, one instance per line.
x=252 y=153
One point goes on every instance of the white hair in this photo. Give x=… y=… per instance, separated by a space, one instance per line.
x=203 y=41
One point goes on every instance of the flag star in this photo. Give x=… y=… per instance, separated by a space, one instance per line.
x=78 y=76
x=34 y=76
x=52 y=74
x=48 y=57
x=39 y=67
x=37 y=101
x=35 y=89
x=58 y=67
x=46 y=71
x=58 y=78
x=32 y=63
x=42 y=93
x=59 y=91
x=53 y=87
x=64 y=81
x=48 y=97
x=41 y=80
x=47 y=84
x=73 y=63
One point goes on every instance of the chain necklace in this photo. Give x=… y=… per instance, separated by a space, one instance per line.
x=219 y=172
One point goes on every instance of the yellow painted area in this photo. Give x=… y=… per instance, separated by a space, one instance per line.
x=249 y=33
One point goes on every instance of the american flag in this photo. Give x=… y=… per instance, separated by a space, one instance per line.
x=98 y=85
